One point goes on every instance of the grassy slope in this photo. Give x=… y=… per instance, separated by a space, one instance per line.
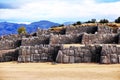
x=47 y=71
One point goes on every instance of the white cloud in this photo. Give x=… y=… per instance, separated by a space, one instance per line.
x=63 y=10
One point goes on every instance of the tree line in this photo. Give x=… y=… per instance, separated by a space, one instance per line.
x=101 y=21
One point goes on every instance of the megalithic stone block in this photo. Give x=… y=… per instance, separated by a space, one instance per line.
x=19 y=59
x=44 y=57
x=71 y=53
x=114 y=58
x=8 y=58
x=78 y=60
x=118 y=58
x=99 y=39
x=104 y=60
x=36 y=57
x=87 y=59
x=27 y=58
x=72 y=59
x=31 y=57
x=65 y=59
x=59 y=57
x=65 y=39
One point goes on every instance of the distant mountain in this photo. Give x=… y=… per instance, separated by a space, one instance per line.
x=11 y=28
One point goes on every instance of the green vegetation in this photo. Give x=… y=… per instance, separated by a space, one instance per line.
x=103 y=21
x=77 y=23
x=91 y=21
x=117 y=20
x=74 y=24
x=21 y=30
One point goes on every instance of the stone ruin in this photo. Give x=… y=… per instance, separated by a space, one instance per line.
x=107 y=54
x=73 y=44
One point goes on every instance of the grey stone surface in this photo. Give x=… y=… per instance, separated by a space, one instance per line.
x=65 y=59
x=48 y=32
x=59 y=57
x=109 y=54
x=113 y=58
x=81 y=29
x=118 y=58
x=76 y=55
x=105 y=30
x=8 y=55
x=65 y=39
x=31 y=41
x=104 y=60
x=99 y=38
x=72 y=60
x=38 y=53
x=101 y=45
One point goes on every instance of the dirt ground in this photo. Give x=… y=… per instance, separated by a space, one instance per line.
x=48 y=71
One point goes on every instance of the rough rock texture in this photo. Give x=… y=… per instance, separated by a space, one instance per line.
x=65 y=39
x=100 y=38
x=10 y=37
x=104 y=30
x=105 y=54
x=100 y=44
x=9 y=44
x=119 y=39
x=41 y=32
x=81 y=29
x=31 y=41
x=118 y=30
x=48 y=32
x=110 y=54
x=8 y=55
x=11 y=41
x=82 y=54
x=38 y=53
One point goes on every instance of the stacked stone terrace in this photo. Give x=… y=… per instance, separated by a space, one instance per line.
x=8 y=47
x=73 y=44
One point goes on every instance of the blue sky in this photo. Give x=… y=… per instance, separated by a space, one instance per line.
x=26 y=11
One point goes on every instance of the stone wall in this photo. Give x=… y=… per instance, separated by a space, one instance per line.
x=10 y=41
x=14 y=37
x=82 y=54
x=8 y=55
x=31 y=41
x=100 y=39
x=41 y=32
x=10 y=37
x=104 y=30
x=48 y=32
x=118 y=38
x=98 y=47
x=66 y=39
x=38 y=53
x=110 y=54
x=81 y=29
x=118 y=30
x=9 y=44
x=105 y=54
